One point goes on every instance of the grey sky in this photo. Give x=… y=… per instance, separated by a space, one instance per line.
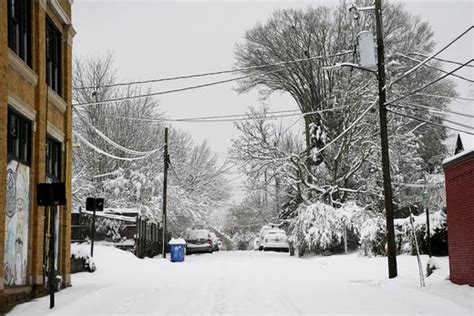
x=151 y=39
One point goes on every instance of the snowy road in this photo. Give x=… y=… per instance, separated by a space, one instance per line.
x=253 y=283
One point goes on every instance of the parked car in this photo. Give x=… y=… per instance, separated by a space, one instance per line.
x=215 y=241
x=256 y=243
x=199 y=241
x=261 y=235
x=276 y=240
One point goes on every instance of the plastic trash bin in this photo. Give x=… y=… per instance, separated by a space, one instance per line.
x=177 y=249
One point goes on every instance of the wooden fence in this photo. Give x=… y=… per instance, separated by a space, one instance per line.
x=148 y=241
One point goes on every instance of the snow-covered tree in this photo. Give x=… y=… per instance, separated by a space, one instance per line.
x=351 y=167
x=121 y=153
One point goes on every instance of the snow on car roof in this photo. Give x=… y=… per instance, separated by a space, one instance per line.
x=198 y=233
x=276 y=231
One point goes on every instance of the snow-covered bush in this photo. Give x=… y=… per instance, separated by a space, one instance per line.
x=372 y=236
x=320 y=227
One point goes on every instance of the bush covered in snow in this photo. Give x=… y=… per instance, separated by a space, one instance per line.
x=320 y=227
x=372 y=236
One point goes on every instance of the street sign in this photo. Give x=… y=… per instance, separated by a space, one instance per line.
x=95 y=204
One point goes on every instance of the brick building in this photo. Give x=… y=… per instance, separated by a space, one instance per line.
x=35 y=140
x=459 y=174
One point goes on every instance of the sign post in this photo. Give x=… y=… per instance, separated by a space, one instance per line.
x=51 y=195
x=94 y=205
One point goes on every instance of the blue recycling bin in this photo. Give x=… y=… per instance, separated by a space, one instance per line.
x=177 y=250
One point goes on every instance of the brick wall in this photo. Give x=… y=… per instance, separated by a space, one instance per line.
x=34 y=97
x=460 y=203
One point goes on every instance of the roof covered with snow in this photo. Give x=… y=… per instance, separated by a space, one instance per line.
x=467 y=152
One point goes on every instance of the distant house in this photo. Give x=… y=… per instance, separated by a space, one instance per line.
x=459 y=175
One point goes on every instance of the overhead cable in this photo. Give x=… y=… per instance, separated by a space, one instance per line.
x=428 y=84
x=445 y=96
x=408 y=72
x=433 y=109
x=440 y=59
x=116 y=145
x=442 y=118
x=100 y=151
x=211 y=119
x=430 y=122
x=141 y=96
x=436 y=68
x=353 y=124
x=213 y=73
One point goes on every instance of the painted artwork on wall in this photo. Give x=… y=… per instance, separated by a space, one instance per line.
x=16 y=224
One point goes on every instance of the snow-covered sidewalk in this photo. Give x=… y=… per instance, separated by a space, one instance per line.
x=254 y=283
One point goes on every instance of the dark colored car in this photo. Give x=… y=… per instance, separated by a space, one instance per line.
x=199 y=241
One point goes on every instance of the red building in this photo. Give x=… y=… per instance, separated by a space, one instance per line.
x=459 y=174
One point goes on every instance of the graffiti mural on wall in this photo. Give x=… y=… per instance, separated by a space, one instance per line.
x=16 y=224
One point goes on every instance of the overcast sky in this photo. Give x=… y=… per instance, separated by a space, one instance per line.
x=152 y=39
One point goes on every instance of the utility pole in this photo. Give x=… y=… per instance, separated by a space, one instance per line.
x=387 y=186
x=165 y=184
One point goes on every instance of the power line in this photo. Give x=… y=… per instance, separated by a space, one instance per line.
x=441 y=118
x=433 y=109
x=428 y=84
x=408 y=72
x=199 y=75
x=141 y=96
x=100 y=151
x=210 y=119
x=436 y=68
x=114 y=144
x=430 y=122
x=353 y=124
x=446 y=96
x=440 y=59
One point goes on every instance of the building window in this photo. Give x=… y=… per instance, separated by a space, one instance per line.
x=19 y=28
x=53 y=57
x=19 y=137
x=53 y=159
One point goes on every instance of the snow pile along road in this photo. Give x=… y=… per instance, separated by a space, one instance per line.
x=254 y=283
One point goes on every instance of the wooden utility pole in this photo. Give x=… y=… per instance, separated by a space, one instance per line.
x=165 y=184
x=387 y=186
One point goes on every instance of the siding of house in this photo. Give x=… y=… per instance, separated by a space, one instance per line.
x=459 y=175
x=23 y=88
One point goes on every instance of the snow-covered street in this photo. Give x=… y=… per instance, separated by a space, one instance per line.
x=252 y=282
